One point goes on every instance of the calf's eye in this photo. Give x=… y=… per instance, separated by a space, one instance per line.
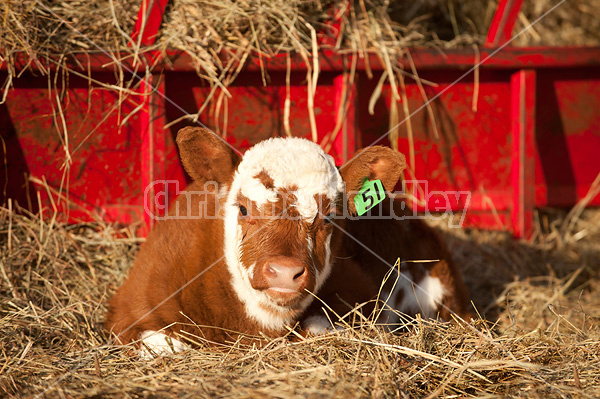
x=243 y=210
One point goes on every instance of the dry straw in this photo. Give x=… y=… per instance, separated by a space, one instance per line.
x=44 y=29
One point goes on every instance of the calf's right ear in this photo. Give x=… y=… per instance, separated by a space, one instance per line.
x=377 y=162
x=205 y=156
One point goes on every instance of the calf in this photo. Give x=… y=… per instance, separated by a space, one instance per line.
x=263 y=235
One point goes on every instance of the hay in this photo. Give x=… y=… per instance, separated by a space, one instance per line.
x=454 y=23
x=42 y=28
x=45 y=28
x=574 y=23
x=543 y=301
x=500 y=260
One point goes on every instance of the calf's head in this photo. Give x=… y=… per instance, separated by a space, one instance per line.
x=282 y=204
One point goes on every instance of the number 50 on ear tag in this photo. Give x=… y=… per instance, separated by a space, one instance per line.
x=371 y=194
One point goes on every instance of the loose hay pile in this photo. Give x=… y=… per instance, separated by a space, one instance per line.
x=545 y=343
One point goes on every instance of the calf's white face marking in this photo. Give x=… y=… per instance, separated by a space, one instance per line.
x=301 y=167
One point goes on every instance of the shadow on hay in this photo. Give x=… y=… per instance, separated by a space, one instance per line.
x=491 y=260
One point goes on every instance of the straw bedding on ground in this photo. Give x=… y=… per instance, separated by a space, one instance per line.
x=541 y=339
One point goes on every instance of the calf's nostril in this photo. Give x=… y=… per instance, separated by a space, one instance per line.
x=299 y=274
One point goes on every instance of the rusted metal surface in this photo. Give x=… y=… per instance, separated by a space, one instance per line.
x=100 y=172
x=567 y=135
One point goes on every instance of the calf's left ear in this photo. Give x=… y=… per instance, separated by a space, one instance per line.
x=372 y=163
x=205 y=156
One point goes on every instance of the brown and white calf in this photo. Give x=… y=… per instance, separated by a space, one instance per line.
x=258 y=244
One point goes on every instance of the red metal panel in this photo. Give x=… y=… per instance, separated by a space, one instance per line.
x=567 y=135
x=148 y=21
x=153 y=147
x=254 y=112
x=331 y=61
x=503 y=22
x=523 y=96
x=472 y=150
x=344 y=144
x=103 y=174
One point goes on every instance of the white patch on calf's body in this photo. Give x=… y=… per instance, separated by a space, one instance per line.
x=423 y=297
x=156 y=343
x=430 y=296
x=254 y=301
x=305 y=204
x=223 y=191
x=309 y=243
x=255 y=190
x=251 y=298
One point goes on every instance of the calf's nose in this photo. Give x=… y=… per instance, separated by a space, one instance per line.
x=284 y=274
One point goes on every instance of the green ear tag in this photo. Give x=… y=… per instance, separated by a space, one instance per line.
x=371 y=194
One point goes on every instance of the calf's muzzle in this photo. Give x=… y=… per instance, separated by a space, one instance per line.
x=284 y=274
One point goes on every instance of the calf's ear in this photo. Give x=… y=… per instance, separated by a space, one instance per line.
x=372 y=163
x=205 y=156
